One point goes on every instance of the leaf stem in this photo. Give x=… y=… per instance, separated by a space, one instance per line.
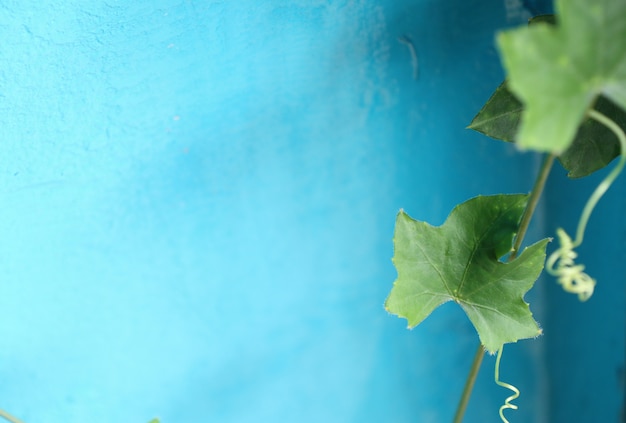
x=533 y=200
x=9 y=417
x=531 y=205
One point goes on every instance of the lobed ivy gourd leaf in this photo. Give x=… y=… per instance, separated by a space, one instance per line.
x=559 y=71
x=459 y=261
x=594 y=145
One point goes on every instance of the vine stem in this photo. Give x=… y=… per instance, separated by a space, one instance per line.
x=469 y=384
x=533 y=200
x=529 y=211
x=9 y=417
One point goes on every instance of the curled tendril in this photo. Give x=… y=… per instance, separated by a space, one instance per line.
x=507 y=402
x=569 y=274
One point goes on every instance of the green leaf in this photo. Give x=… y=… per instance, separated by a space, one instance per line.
x=458 y=261
x=594 y=145
x=500 y=116
x=559 y=71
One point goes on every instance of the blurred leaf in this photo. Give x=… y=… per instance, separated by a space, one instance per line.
x=594 y=145
x=559 y=71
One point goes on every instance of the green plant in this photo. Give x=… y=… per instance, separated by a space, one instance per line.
x=565 y=96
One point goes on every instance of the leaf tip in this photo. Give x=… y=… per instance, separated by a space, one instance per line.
x=491 y=351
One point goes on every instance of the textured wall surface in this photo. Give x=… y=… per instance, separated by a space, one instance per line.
x=198 y=200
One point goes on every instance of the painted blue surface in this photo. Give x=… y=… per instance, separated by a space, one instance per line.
x=198 y=205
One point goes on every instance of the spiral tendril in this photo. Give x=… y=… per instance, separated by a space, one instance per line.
x=569 y=274
x=561 y=262
x=507 y=402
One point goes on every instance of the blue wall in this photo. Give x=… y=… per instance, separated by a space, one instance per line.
x=198 y=205
x=585 y=342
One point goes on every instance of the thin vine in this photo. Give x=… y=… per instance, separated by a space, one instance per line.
x=9 y=417
x=507 y=402
x=561 y=263
x=6 y=416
